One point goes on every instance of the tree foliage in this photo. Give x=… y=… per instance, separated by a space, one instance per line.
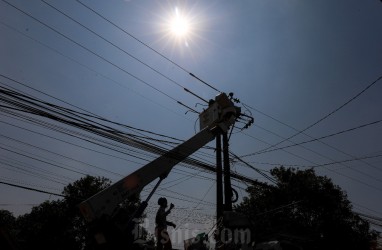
x=306 y=209
x=46 y=227
x=7 y=230
x=58 y=224
x=7 y=219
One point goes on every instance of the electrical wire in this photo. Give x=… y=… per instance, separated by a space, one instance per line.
x=347 y=160
x=297 y=130
x=327 y=136
x=61 y=155
x=316 y=139
x=88 y=68
x=111 y=122
x=204 y=196
x=43 y=161
x=103 y=153
x=204 y=166
x=358 y=158
x=290 y=153
x=336 y=172
x=324 y=156
x=85 y=126
x=144 y=44
x=28 y=166
x=125 y=52
x=90 y=128
x=69 y=143
x=61 y=115
x=25 y=187
x=292 y=204
x=90 y=51
x=30 y=173
x=271 y=179
x=326 y=116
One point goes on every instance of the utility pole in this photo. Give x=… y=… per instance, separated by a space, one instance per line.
x=227 y=175
x=219 y=190
x=227 y=205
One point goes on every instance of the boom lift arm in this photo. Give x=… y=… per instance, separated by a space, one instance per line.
x=217 y=118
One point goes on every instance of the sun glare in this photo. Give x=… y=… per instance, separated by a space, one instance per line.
x=179 y=25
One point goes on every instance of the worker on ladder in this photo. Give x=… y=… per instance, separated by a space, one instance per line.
x=163 y=239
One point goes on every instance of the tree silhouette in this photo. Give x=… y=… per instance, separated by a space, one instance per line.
x=307 y=210
x=7 y=230
x=58 y=224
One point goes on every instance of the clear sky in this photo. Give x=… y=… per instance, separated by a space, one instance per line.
x=295 y=61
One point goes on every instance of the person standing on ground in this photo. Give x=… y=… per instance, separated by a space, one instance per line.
x=163 y=239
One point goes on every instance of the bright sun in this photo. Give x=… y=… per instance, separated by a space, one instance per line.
x=179 y=25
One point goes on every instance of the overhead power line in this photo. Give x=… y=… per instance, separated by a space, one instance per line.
x=66 y=116
x=309 y=149
x=124 y=51
x=92 y=52
x=64 y=196
x=43 y=161
x=326 y=116
x=110 y=133
x=202 y=200
x=348 y=160
x=316 y=139
x=314 y=164
x=290 y=153
x=129 y=34
x=364 y=207
x=90 y=69
x=144 y=44
x=182 y=172
x=23 y=103
x=26 y=171
x=274 y=181
x=61 y=155
x=86 y=112
x=31 y=189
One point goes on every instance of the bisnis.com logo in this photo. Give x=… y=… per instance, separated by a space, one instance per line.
x=184 y=235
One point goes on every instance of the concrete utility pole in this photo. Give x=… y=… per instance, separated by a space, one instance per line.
x=227 y=204
x=227 y=175
x=219 y=188
x=219 y=178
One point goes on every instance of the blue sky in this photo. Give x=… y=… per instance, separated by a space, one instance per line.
x=295 y=61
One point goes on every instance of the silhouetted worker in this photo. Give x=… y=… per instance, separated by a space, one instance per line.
x=163 y=239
